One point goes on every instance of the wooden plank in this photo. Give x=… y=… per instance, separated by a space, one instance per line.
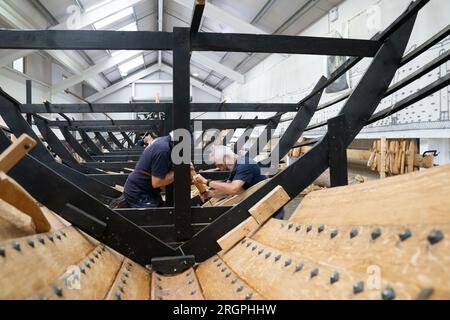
x=15 y=152
x=14 y=223
x=223 y=285
x=24 y=272
x=410 y=156
x=238 y=198
x=413 y=262
x=96 y=275
x=382 y=167
x=132 y=283
x=270 y=204
x=238 y=233
x=420 y=198
x=15 y=195
x=289 y=275
x=183 y=286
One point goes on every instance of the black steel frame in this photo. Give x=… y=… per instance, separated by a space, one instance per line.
x=180 y=220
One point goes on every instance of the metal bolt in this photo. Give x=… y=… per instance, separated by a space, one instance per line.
x=358 y=287
x=121 y=288
x=159 y=287
x=82 y=270
x=41 y=240
x=290 y=226
x=64 y=234
x=234 y=280
x=388 y=294
x=58 y=237
x=190 y=272
x=376 y=233
x=217 y=259
x=268 y=254
x=334 y=234
x=249 y=244
x=124 y=281
x=334 y=278
x=425 y=294
x=288 y=262
x=353 y=233
x=228 y=275
x=15 y=246
x=92 y=260
x=96 y=256
x=193 y=292
x=278 y=257
x=309 y=228
x=118 y=295
x=103 y=249
x=190 y=282
x=435 y=236
x=240 y=289
x=50 y=237
x=87 y=264
x=223 y=270
x=218 y=265
x=242 y=242
x=126 y=274
x=30 y=243
x=260 y=252
x=58 y=291
x=314 y=273
x=298 y=228
x=405 y=234
x=254 y=248
x=249 y=296
x=299 y=267
x=2 y=252
x=321 y=228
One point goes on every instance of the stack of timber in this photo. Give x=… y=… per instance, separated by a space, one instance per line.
x=378 y=247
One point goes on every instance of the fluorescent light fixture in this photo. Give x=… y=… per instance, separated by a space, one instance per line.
x=126 y=67
x=113 y=18
x=129 y=27
x=195 y=74
x=98 y=5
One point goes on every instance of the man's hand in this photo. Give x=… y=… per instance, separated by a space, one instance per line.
x=199 y=179
x=206 y=196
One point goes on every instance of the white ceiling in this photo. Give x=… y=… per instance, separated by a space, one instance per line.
x=287 y=17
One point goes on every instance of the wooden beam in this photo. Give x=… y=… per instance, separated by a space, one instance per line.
x=15 y=152
x=271 y=203
x=237 y=234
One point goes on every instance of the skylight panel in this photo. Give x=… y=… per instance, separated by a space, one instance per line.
x=126 y=67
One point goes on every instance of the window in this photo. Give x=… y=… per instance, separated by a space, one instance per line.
x=19 y=65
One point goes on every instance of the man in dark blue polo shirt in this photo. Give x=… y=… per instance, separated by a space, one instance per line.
x=245 y=173
x=152 y=172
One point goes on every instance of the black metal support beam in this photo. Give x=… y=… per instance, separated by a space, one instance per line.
x=338 y=152
x=29 y=99
x=110 y=179
x=85 y=40
x=199 y=7
x=157 y=107
x=357 y=110
x=116 y=141
x=85 y=212
x=70 y=139
x=93 y=125
x=181 y=120
x=9 y=112
x=103 y=141
x=95 y=150
x=232 y=42
x=59 y=149
x=128 y=140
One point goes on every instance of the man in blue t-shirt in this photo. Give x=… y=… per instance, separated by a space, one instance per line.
x=152 y=172
x=245 y=173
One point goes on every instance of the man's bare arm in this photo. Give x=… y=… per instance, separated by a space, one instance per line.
x=159 y=183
